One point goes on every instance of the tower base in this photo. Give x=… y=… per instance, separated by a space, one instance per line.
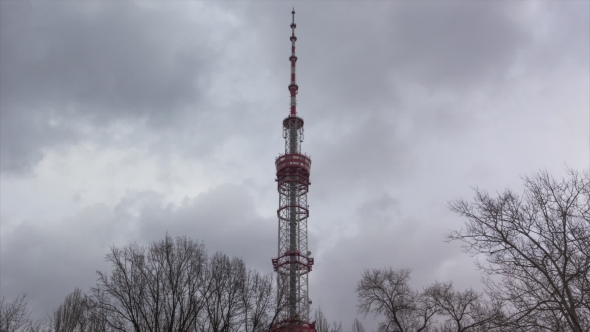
x=293 y=325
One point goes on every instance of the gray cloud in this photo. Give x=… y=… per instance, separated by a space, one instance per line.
x=455 y=45
x=48 y=259
x=370 y=154
x=65 y=254
x=65 y=66
x=223 y=217
x=116 y=62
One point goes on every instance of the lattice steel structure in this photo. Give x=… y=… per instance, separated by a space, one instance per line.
x=294 y=262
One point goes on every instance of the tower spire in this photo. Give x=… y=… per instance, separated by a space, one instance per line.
x=293 y=58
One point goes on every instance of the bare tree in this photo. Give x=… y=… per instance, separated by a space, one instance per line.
x=259 y=301
x=224 y=305
x=385 y=292
x=80 y=313
x=160 y=288
x=438 y=308
x=171 y=286
x=357 y=326
x=281 y=303
x=323 y=325
x=537 y=248
x=15 y=316
x=461 y=310
x=72 y=314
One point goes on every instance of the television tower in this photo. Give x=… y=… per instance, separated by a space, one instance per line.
x=294 y=262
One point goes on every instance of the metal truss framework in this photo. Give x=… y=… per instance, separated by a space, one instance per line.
x=293 y=263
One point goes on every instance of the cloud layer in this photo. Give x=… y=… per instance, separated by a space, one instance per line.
x=121 y=121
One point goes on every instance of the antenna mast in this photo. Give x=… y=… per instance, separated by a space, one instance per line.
x=293 y=87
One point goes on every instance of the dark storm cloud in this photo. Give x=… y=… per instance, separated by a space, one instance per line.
x=64 y=65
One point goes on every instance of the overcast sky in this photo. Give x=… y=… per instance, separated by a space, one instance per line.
x=122 y=120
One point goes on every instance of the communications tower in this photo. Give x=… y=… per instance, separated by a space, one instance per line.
x=294 y=262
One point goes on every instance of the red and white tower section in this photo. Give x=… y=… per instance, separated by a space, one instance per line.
x=294 y=262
